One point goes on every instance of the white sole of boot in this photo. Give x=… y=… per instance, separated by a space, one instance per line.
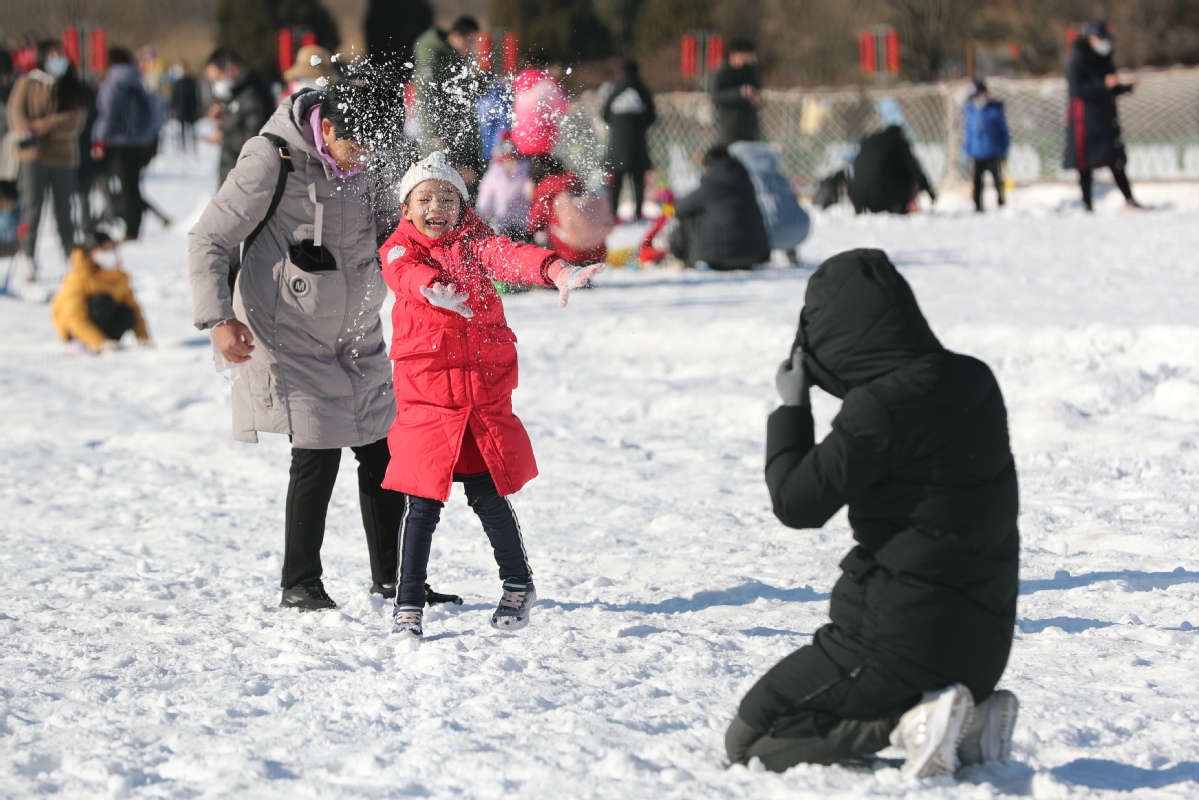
x=948 y=717
x=996 y=743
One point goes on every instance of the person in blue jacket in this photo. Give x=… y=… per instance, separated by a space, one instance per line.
x=986 y=142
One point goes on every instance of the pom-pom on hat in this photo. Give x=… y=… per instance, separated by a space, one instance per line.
x=434 y=167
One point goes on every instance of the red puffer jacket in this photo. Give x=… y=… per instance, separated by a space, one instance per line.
x=454 y=376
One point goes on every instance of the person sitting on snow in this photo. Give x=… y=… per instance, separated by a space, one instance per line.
x=720 y=223
x=454 y=370
x=95 y=305
x=886 y=175
x=922 y=615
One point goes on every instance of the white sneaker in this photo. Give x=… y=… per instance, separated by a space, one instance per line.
x=930 y=732
x=514 y=607
x=406 y=625
x=989 y=736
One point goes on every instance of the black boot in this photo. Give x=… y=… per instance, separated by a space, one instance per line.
x=307 y=596
x=431 y=597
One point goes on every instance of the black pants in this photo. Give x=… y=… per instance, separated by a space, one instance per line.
x=981 y=167
x=1086 y=181
x=637 y=178
x=126 y=164
x=313 y=473
x=826 y=702
x=682 y=245
x=114 y=319
x=421 y=518
x=845 y=739
x=35 y=180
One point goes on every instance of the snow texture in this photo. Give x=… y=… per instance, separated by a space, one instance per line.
x=144 y=654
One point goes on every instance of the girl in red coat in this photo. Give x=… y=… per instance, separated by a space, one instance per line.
x=455 y=368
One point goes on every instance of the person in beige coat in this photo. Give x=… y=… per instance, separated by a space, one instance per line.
x=47 y=110
x=302 y=325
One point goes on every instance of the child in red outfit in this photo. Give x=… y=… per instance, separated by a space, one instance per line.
x=552 y=182
x=455 y=368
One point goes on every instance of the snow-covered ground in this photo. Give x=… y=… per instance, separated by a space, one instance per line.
x=142 y=652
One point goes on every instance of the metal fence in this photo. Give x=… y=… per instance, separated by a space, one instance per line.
x=817 y=130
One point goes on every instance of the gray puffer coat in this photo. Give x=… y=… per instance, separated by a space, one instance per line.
x=319 y=371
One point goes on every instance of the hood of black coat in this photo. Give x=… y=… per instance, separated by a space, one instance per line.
x=860 y=321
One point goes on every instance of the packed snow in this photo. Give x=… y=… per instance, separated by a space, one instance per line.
x=143 y=653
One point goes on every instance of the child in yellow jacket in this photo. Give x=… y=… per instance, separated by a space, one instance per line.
x=95 y=304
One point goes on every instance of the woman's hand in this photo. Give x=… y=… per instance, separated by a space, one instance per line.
x=793 y=381
x=447 y=296
x=233 y=340
x=570 y=278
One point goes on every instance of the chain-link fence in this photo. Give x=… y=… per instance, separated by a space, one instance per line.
x=818 y=130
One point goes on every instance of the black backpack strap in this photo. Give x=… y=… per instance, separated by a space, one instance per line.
x=285 y=168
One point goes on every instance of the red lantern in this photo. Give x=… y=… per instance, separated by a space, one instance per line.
x=483 y=52
x=511 y=51
x=715 y=51
x=287 y=55
x=891 y=51
x=70 y=45
x=689 y=54
x=98 y=51
x=866 y=54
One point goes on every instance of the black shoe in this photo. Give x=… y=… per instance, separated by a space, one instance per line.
x=434 y=598
x=307 y=596
x=431 y=597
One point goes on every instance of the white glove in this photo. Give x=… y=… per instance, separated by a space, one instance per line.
x=447 y=296
x=570 y=278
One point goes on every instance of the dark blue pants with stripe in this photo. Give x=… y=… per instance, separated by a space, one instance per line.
x=420 y=520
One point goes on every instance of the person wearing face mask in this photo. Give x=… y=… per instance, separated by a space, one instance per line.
x=48 y=108
x=986 y=139
x=302 y=318
x=95 y=305
x=1093 y=136
x=246 y=104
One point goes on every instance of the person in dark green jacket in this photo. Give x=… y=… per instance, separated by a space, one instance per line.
x=720 y=223
x=447 y=87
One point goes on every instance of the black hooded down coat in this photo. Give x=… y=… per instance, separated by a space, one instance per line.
x=886 y=175
x=725 y=219
x=1092 y=123
x=919 y=452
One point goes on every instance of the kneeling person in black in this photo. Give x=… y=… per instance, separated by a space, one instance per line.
x=923 y=613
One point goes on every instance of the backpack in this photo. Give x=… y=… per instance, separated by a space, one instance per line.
x=140 y=119
x=581 y=222
x=285 y=167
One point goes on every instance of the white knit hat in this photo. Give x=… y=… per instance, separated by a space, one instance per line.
x=432 y=168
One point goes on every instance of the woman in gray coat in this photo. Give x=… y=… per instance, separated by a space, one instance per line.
x=302 y=321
